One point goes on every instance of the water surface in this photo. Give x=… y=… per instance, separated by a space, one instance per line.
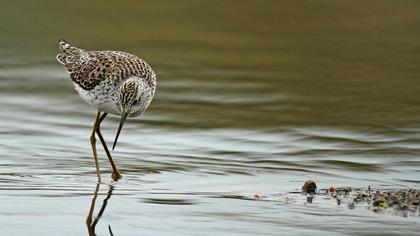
x=252 y=98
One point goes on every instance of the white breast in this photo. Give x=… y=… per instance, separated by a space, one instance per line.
x=103 y=97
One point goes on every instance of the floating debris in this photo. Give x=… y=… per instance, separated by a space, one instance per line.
x=402 y=202
x=309 y=186
x=404 y=199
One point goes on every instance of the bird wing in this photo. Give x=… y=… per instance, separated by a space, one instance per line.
x=89 y=68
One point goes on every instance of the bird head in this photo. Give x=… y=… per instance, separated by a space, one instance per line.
x=131 y=99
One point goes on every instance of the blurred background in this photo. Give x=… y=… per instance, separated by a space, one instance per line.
x=252 y=97
x=269 y=63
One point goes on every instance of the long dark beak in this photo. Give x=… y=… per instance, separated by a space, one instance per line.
x=123 y=117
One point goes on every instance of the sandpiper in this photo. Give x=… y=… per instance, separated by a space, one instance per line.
x=111 y=81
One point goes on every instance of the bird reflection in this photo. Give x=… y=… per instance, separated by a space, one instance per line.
x=91 y=224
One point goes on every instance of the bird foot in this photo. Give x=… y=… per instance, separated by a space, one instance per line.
x=116 y=175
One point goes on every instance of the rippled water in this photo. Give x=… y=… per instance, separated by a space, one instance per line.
x=253 y=98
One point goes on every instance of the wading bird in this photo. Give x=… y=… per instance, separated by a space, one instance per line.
x=111 y=81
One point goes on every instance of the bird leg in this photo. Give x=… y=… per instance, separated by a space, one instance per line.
x=116 y=175
x=93 y=143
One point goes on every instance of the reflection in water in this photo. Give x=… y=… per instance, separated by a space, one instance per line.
x=91 y=225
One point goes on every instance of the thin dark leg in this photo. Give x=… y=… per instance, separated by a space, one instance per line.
x=116 y=175
x=93 y=143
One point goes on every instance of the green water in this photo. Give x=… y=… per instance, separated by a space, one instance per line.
x=253 y=97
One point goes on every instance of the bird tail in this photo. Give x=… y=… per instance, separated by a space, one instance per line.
x=63 y=45
x=69 y=54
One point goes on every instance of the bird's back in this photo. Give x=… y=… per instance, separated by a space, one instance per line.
x=97 y=75
x=88 y=68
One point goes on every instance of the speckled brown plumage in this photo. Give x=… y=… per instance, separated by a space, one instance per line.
x=113 y=82
x=89 y=68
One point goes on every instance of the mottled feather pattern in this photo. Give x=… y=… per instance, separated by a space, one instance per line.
x=113 y=82
x=89 y=68
x=130 y=89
